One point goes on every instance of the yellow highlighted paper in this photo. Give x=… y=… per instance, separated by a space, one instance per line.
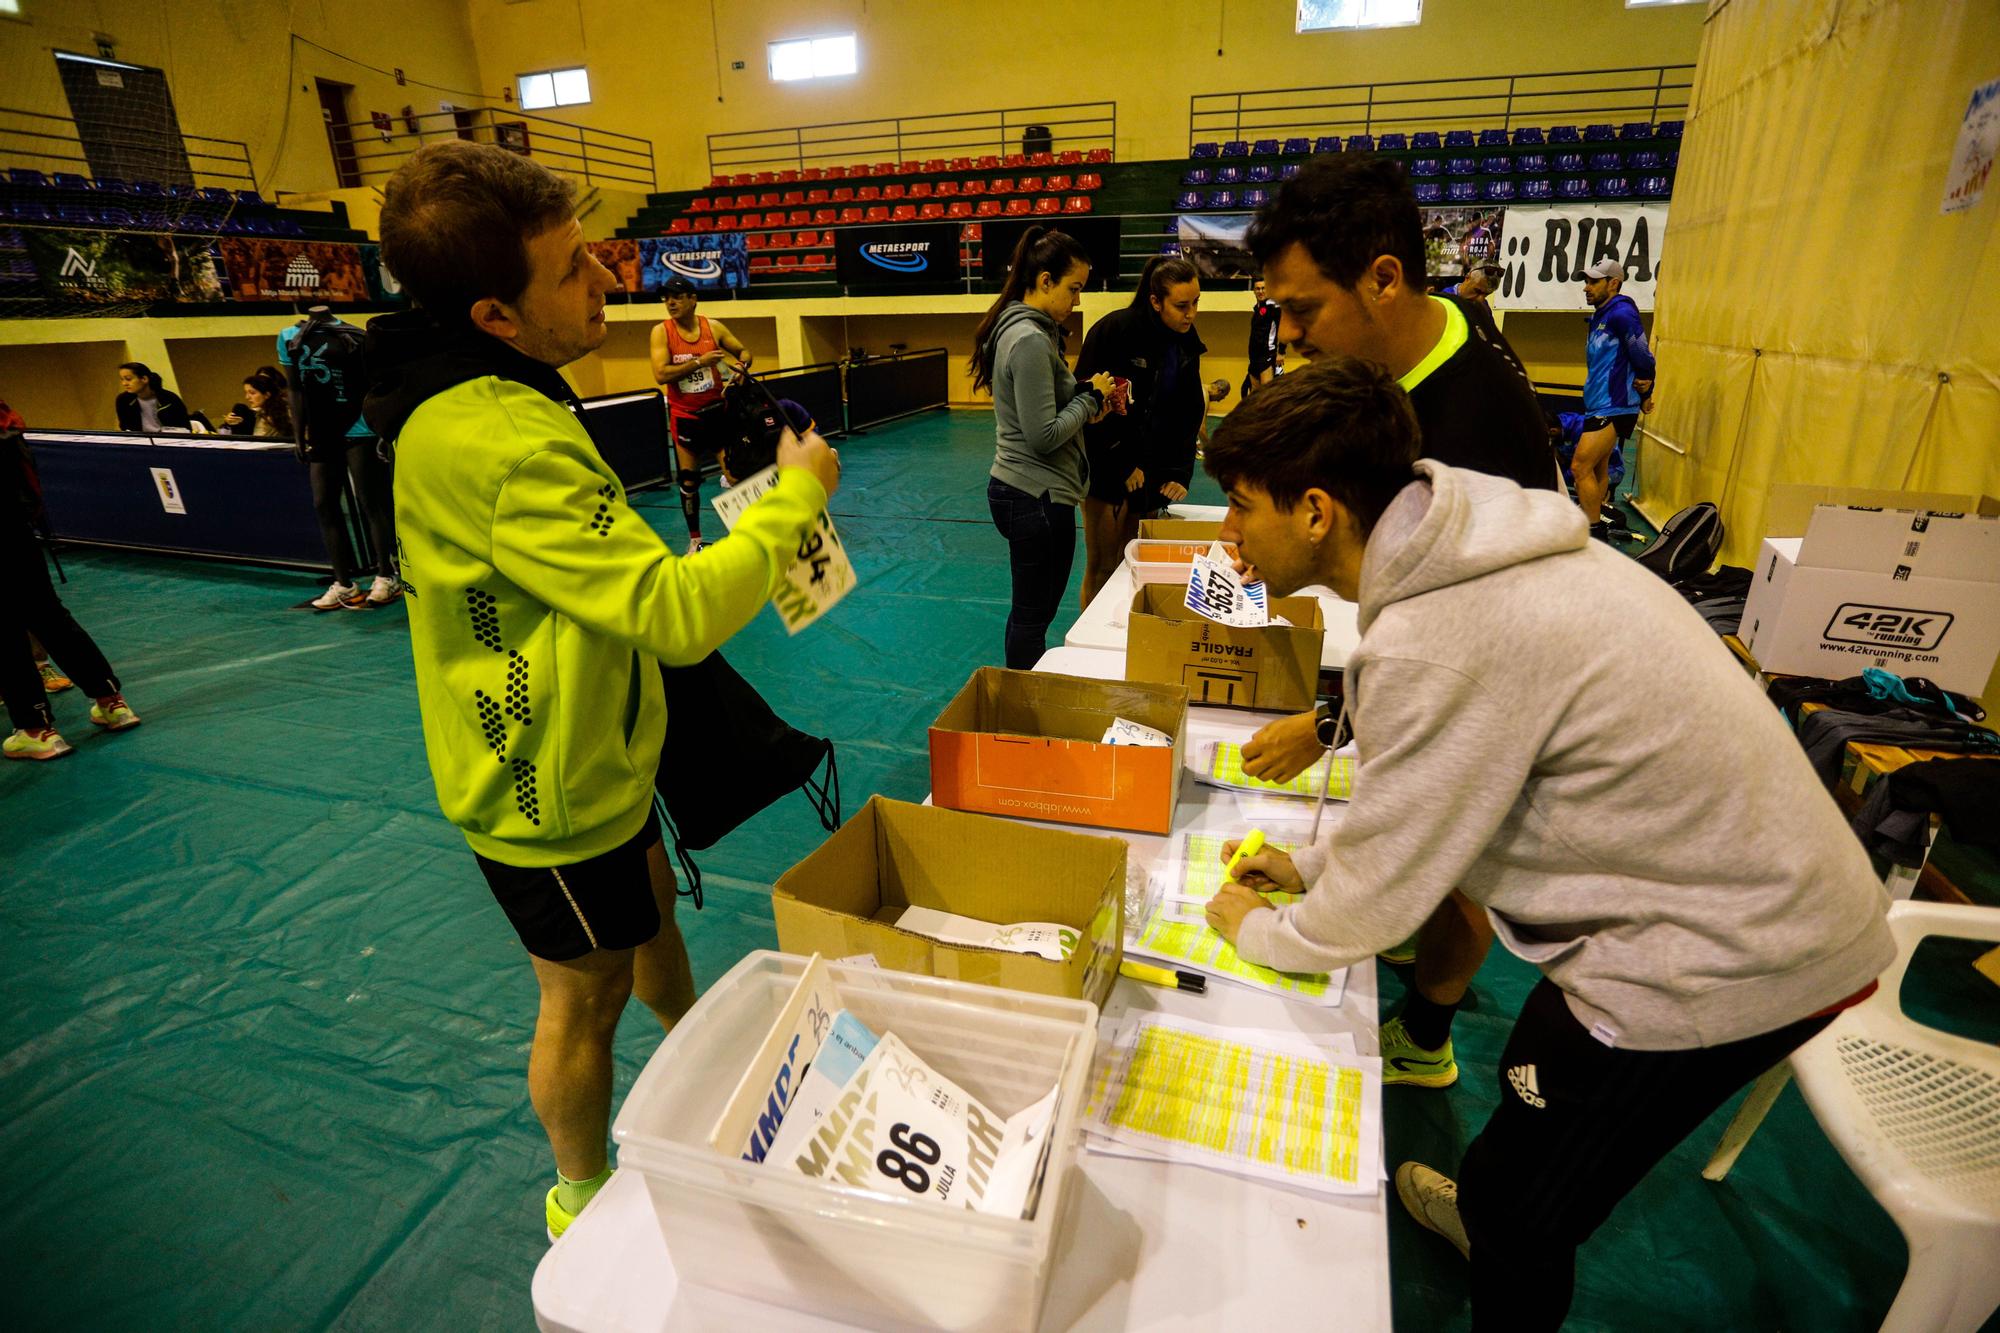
x=1225 y=769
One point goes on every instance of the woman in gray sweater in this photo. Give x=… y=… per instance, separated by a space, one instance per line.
x=1039 y=410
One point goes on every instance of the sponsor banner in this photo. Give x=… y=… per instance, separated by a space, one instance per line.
x=268 y=269
x=1097 y=235
x=106 y=267
x=1455 y=239
x=917 y=254
x=1214 y=244
x=1544 y=252
x=382 y=284
x=711 y=262
x=622 y=258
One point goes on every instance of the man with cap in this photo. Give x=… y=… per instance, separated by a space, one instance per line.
x=686 y=350
x=1617 y=386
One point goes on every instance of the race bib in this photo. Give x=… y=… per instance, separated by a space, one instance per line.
x=820 y=573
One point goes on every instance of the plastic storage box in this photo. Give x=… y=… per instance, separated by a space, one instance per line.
x=1155 y=561
x=873 y=1261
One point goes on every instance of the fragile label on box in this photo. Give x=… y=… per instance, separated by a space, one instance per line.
x=820 y=573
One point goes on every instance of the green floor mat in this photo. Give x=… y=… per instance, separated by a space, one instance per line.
x=266 y=1032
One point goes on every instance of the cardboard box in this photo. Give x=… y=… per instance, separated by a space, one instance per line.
x=1180 y=530
x=1275 y=668
x=1027 y=744
x=1788 y=509
x=844 y=898
x=1909 y=590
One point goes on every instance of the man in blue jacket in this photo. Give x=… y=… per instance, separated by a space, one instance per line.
x=1617 y=386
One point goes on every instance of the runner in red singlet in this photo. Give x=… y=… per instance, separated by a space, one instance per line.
x=688 y=350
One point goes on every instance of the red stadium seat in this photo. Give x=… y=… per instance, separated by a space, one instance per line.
x=769 y=199
x=717 y=182
x=788 y=176
x=1014 y=161
x=825 y=216
x=1061 y=184
x=930 y=212
x=723 y=222
x=893 y=192
x=1077 y=203
x=843 y=194
x=788 y=261
x=908 y=168
x=1029 y=185
x=774 y=219
x=867 y=194
x=799 y=197
x=1098 y=155
x=1041 y=159
x=990 y=208
x=922 y=190
x=813 y=174
x=958 y=208
x=882 y=169
x=745 y=201
x=1090 y=180
x=974 y=186
x=762 y=264
x=877 y=213
x=682 y=226
x=764 y=178
x=1018 y=207
x=756 y=240
x=700 y=205
x=798 y=217
x=742 y=178
x=959 y=164
x=1068 y=158
x=1048 y=203
x=933 y=165
x=987 y=163
x=904 y=213
x=816 y=196
x=832 y=173
x=711 y=224
x=946 y=189
x=1000 y=185
x=971 y=231
x=781 y=240
x=850 y=214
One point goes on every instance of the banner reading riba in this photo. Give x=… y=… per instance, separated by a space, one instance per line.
x=1546 y=250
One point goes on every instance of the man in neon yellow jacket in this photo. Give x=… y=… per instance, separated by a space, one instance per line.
x=541 y=605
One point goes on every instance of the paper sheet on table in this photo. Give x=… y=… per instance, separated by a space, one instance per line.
x=1222 y=766
x=1285 y=1107
x=820 y=573
x=1178 y=937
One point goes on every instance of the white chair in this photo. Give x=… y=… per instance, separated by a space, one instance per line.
x=1916 y=1114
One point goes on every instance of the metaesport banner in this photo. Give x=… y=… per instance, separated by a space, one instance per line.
x=265 y=269
x=918 y=255
x=1545 y=251
x=711 y=262
x=108 y=267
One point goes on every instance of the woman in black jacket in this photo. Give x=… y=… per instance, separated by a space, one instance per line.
x=1142 y=458
x=146 y=404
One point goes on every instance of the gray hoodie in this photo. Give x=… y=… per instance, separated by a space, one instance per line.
x=1038 y=409
x=1552 y=729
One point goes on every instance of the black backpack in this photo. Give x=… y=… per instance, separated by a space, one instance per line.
x=1687 y=544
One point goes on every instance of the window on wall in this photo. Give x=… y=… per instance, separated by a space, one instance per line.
x=813 y=58
x=1652 y=4
x=11 y=7
x=553 y=87
x=1325 y=15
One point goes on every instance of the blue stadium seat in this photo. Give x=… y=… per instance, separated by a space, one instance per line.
x=68 y=180
x=1195 y=176
x=1171 y=248
x=30 y=210
x=111 y=215
x=1599 y=133
x=1498 y=164
x=1528 y=135
x=1615 y=187
x=1458 y=139
x=1460 y=166
x=109 y=185
x=1537 y=188
x=1229 y=175
x=1654 y=187
x=1256 y=198
x=1531 y=164
x=1298 y=147
x=1261 y=172
x=76 y=215
x=1607 y=161
x=1360 y=143
x=1669 y=129
x=1236 y=148
x=1187 y=199
x=1424 y=140
x=1462 y=192
x=1204 y=150
x=259 y=227
x=27 y=178
x=215 y=196
x=1264 y=148
x=1563 y=134
x=1497 y=192
x=1573 y=187
x=1673 y=158
x=1493 y=138
x=1426 y=166
x=1569 y=161
x=1327 y=143
x=1289 y=170
x=1222 y=199
x=1393 y=143
x=1636 y=129
x=1647 y=161
x=148 y=190
x=290 y=228
x=1429 y=192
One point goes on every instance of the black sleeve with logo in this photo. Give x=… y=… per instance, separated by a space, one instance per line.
x=1478 y=410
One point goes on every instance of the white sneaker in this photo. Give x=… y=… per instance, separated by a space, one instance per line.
x=385 y=590
x=336 y=596
x=1432 y=1199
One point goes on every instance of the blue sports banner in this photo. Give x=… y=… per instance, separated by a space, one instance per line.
x=923 y=254
x=710 y=261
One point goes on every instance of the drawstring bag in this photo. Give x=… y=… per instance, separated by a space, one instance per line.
x=745 y=758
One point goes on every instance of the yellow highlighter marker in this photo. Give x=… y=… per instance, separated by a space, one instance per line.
x=1193 y=982
x=1253 y=843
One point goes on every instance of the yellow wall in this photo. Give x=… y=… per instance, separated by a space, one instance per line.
x=226 y=61
x=663 y=71
x=69 y=384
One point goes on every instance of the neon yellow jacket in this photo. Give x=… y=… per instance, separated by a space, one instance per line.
x=540 y=605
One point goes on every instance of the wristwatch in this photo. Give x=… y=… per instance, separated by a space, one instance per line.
x=1324 y=722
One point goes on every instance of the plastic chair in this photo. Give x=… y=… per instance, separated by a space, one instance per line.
x=1493 y=138
x=1497 y=192
x=1327 y=143
x=946 y=190
x=850 y=215
x=1000 y=185
x=1426 y=166
x=1297 y=147
x=813 y=174
x=1236 y=148
x=1029 y=185
x=1614 y=187
x=1669 y=129
x=1260 y=173
x=1256 y=198
x=1392 y=143
x=1019 y=207
x=1231 y=175
x=702 y=204
x=1563 y=134
x=1090 y=180
x=1061 y=184
x=1498 y=165
x=1077 y=203
x=1915 y=1113
x=1654 y=187
x=1606 y=161
x=1636 y=129
x=1222 y=199
x=958 y=208
x=921 y=190
x=1462 y=192
x=680 y=227
x=1289 y=170
x=1569 y=161
x=1360 y=143
x=989 y=208
x=903 y=213
x=1529 y=136
x=891 y=193
x=1573 y=187
x=1458 y=139
x=1460 y=166
x=769 y=199
x=1047 y=204
x=817 y=196
x=1538 y=189
x=1599 y=133
x=930 y=212
x=1429 y=192
x=1425 y=141
x=876 y=213
x=1070 y=157
x=1264 y=148
x=975 y=187
x=867 y=194
x=1097 y=156
x=1532 y=164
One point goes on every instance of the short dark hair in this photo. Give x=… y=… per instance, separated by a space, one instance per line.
x=447 y=217
x=1345 y=208
x=1340 y=424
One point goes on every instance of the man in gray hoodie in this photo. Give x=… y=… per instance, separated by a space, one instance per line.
x=1695 y=902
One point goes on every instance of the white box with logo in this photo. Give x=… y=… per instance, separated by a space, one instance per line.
x=1912 y=590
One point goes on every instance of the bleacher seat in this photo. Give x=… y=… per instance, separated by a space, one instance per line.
x=1260 y=173
x=1236 y=148
x=1070 y=157
x=975 y=186
x=921 y=189
x=792 y=197
x=833 y=173
x=1097 y=155
x=1538 y=188
x=1047 y=204
x=112 y=185
x=1564 y=134
x=1061 y=184
x=1090 y=180
x=823 y=217
x=1029 y=185
x=1496 y=164
x=1014 y=161
x=1229 y=175
x=1289 y=170
x=1360 y=143
x=729 y=221
x=1393 y=143
x=842 y=194
x=708 y=224
x=1614 y=187
x=1429 y=192
x=1532 y=164
x=1461 y=192
x=850 y=215
x=876 y=213
x=989 y=208
x=1425 y=141
x=762 y=264
x=717 y=182
x=1636 y=129
x=1327 y=143
x=1607 y=161
x=1195 y=176
x=1222 y=199
x=756 y=240
x=76 y=215
x=68 y=180
x=111 y=215
x=1646 y=160
x=1020 y=207
x=878 y=169
x=903 y=213
x=813 y=174
x=1264 y=148
x=1460 y=166
x=1000 y=185
x=1653 y=187
x=1187 y=199
x=958 y=208
x=1673 y=158
x=971 y=231
x=909 y=168
x=1571 y=162
x=770 y=220
x=1426 y=166
x=1572 y=187
x=989 y=162
x=1076 y=203
x=764 y=178
x=1599 y=133
x=945 y=189
x=798 y=217
x=817 y=196
x=867 y=194
x=932 y=166
x=681 y=226
x=745 y=201
x=1669 y=129
x=789 y=176
x=1459 y=139
x=930 y=212
x=1256 y=198
x=1528 y=135
x=27 y=178
x=1497 y=192
x=1493 y=138
x=891 y=193
x=1298 y=147
x=701 y=204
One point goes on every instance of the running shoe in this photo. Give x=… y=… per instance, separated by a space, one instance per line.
x=43 y=744
x=113 y=713
x=53 y=681
x=1432 y=1199
x=557 y=1216
x=337 y=596
x=1403 y=1061
x=384 y=590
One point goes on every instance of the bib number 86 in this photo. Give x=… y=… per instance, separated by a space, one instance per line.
x=918 y=1151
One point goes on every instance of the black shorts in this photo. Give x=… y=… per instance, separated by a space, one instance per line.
x=565 y=912
x=1623 y=424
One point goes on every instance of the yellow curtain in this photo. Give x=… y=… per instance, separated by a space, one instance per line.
x=1819 y=318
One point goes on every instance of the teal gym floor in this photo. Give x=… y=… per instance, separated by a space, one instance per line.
x=266 y=1033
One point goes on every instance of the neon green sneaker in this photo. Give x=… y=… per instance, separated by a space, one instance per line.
x=113 y=713
x=35 y=745
x=1402 y=955
x=558 y=1218
x=1403 y=1061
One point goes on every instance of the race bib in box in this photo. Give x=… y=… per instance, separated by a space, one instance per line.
x=820 y=573
x=1215 y=591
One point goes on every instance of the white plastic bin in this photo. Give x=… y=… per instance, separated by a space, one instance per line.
x=1154 y=560
x=871 y=1260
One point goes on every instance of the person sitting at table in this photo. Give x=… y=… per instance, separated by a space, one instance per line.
x=145 y=404
x=1693 y=897
x=265 y=411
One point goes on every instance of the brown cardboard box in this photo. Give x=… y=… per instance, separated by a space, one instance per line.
x=1179 y=530
x=1274 y=668
x=844 y=898
x=1026 y=744
x=1789 y=508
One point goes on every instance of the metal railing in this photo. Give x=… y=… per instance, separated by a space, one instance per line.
x=1494 y=101
x=1071 y=125
x=51 y=143
x=600 y=157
